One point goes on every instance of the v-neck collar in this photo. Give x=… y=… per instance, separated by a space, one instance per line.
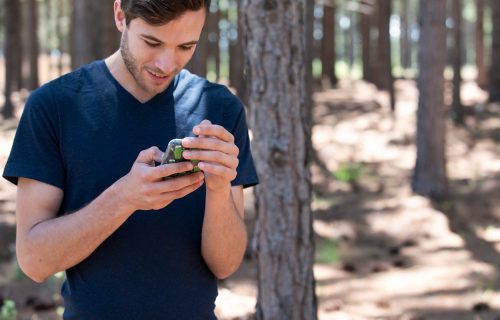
x=159 y=96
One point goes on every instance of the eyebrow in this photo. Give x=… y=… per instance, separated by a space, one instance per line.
x=189 y=43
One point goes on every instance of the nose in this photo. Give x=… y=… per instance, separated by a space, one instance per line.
x=165 y=61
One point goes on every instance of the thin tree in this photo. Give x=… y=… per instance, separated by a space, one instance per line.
x=328 y=54
x=429 y=177
x=33 y=44
x=479 y=31
x=274 y=44
x=12 y=54
x=97 y=42
x=365 y=22
x=494 y=75
x=366 y=13
x=457 y=108
x=213 y=35
x=236 y=61
x=405 y=36
x=384 y=61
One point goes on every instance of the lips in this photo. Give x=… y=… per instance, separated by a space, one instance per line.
x=157 y=75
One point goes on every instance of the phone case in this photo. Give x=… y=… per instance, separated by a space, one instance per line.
x=173 y=154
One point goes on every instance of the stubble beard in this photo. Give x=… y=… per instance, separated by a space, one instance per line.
x=131 y=63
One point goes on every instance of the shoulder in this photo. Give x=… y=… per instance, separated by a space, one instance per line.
x=48 y=97
x=81 y=79
x=194 y=83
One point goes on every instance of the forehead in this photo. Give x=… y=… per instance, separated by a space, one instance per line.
x=185 y=28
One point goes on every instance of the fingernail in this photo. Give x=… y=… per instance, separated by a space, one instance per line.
x=196 y=130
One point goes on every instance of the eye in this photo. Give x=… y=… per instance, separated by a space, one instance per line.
x=186 y=48
x=152 y=44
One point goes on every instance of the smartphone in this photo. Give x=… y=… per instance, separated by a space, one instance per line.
x=173 y=154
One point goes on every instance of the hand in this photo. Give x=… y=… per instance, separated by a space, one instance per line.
x=144 y=188
x=216 y=152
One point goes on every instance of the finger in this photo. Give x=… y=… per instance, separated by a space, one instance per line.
x=226 y=173
x=209 y=144
x=149 y=156
x=214 y=131
x=184 y=191
x=166 y=170
x=179 y=183
x=218 y=157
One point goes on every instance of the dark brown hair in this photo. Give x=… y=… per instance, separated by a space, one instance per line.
x=157 y=12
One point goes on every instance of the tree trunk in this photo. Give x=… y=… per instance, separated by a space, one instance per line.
x=109 y=34
x=405 y=37
x=33 y=44
x=236 y=59
x=309 y=52
x=429 y=178
x=12 y=53
x=198 y=63
x=480 y=64
x=457 y=108
x=212 y=31
x=494 y=83
x=328 y=55
x=275 y=41
x=365 y=21
x=94 y=43
x=384 y=60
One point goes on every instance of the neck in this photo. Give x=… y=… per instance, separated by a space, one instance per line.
x=120 y=72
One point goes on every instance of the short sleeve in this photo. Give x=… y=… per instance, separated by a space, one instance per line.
x=35 y=152
x=247 y=175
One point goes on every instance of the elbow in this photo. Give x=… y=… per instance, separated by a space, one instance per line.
x=222 y=274
x=30 y=269
x=223 y=270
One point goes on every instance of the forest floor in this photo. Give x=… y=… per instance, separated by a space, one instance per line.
x=382 y=252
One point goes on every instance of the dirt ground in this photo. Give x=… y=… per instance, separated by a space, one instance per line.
x=382 y=252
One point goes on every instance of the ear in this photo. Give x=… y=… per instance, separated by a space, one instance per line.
x=120 y=21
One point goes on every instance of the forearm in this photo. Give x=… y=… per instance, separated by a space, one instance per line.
x=58 y=244
x=224 y=236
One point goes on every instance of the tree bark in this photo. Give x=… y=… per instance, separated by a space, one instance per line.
x=275 y=41
x=384 y=60
x=12 y=53
x=94 y=43
x=213 y=34
x=328 y=54
x=33 y=44
x=198 y=63
x=494 y=75
x=236 y=59
x=405 y=36
x=457 y=108
x=365 y=21
x=429 y=178
x=480 y=64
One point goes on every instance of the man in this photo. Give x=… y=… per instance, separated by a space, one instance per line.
x=92 y=202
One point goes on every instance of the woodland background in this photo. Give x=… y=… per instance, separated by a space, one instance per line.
x=403 y=101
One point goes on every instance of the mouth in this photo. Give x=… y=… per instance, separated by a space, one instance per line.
x=157 y=75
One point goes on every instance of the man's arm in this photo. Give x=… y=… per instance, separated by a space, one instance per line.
x=224 y=233
x=224 y=236
x=47 y=244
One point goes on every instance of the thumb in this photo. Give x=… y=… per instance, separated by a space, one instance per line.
x=149 y=156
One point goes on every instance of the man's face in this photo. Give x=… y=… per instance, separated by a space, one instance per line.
x=155 y=54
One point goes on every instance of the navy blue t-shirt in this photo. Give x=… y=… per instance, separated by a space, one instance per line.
x=81 y=133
